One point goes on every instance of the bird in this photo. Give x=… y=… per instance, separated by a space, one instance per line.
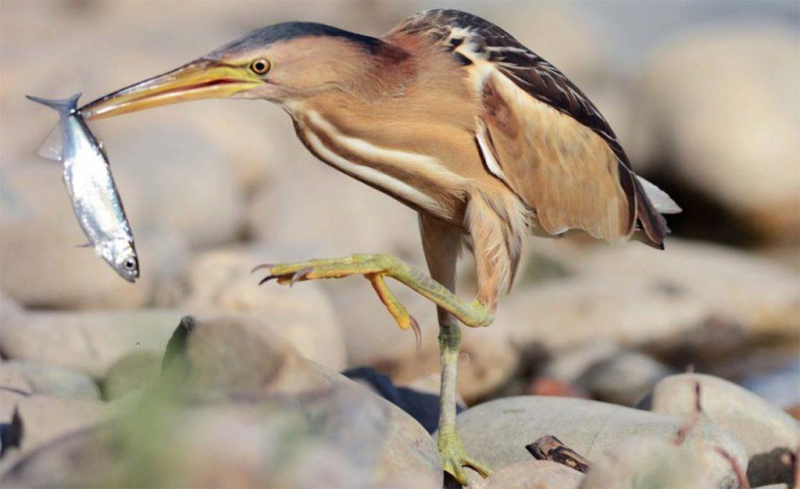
x=452 y=116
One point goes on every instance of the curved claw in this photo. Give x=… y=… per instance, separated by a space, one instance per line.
x=299 y=275
x=262 y=267
x=417 y=331
x=267 y=279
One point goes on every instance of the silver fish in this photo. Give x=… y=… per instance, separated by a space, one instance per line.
x=91 y=187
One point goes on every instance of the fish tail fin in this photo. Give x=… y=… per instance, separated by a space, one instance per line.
x=65 y=107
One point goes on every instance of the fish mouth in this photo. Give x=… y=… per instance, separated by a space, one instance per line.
x=198 y=80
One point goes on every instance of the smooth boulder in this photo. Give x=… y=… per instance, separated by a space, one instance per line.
x=759 y=426
x=498 y=431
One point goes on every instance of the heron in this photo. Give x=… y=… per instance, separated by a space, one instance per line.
x=452 y=116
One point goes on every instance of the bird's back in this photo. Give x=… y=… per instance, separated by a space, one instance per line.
x=539 y=134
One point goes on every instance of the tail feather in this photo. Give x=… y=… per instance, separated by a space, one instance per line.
x=653 y=224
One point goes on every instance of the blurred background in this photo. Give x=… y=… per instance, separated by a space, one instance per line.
x=705 y=96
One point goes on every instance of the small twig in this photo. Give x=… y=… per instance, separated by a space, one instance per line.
x=737 y=469
x=551 y=448
x=692 y=419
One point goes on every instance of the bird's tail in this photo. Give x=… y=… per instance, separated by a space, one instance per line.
x=651 y=202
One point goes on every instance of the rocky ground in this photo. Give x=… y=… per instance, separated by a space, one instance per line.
x=674 y=369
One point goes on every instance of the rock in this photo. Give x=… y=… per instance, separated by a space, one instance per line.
x=54 y=380
x=535 y=473
x=238 y=404
x=607 y=372
x=760 y=296
x=88 y=341
x=485 y=363
x=303 y=315
x=45 y=418
x=310 y=227
x=774 y=467
x=208 y=209
x=624 y=379
x=237 y=355
x=497 y=432
x=646 y=462
x=134 y=371
x=577 y=311
x=44 y=238
x=778 y=386
x=759 y=426
x=744 y=154
x=12 y=378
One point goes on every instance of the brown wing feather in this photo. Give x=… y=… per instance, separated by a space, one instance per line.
x=560 y=168
x=567 y=148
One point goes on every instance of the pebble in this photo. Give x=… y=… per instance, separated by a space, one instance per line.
x=647 y=462
x=759 y=426
x=759 y=296
x=221 y=281
x=53 y=380
x=260 y=414
x=534 y=474
x=86 y=341
x=136 y=370
x=742 y=154
x=497 y=432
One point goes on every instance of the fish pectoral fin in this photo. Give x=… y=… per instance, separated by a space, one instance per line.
x=53 y=146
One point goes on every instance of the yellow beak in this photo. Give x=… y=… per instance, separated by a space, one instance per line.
x=201 y=79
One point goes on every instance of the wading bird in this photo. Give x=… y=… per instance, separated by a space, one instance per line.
x=452 y=116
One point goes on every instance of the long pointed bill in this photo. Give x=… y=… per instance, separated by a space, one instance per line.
x=197 y=80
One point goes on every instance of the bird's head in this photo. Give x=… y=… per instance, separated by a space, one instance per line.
x=283 y=63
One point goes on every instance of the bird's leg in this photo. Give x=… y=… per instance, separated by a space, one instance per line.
x=441 y=244
x=454 y=456
x=376 y=268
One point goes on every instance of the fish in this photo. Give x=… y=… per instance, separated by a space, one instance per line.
x=94 y=195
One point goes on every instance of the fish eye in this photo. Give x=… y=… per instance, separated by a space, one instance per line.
x=260 y=66
x=130 y=264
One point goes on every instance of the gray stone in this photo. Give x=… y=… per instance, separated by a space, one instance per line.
x=498 y=431
x=624 y=379
x=43 y=237
x=641 y=463
x=716 y=141
x=759 y=426
x=45 y=418
x=575 y=311
x=12 y=378
x=607 y=372
x=55 y=380
x=774 y=467
x=88 y=341
x=134 y=371
x=535 y=473
x=236 y=404
x=220 y=281
x=185 y=186
x=762 y=297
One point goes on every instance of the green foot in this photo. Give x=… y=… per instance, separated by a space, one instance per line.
x=455 y=458
x=375 y=268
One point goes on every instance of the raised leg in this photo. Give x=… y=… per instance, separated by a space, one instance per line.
x=374 y=268
x=441 y=244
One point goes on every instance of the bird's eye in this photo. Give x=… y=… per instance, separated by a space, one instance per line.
x=260 y=66
x=129 y=264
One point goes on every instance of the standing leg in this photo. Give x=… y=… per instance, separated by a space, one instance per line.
x=441 y=244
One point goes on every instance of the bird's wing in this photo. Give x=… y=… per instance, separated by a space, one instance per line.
x=542 y=136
